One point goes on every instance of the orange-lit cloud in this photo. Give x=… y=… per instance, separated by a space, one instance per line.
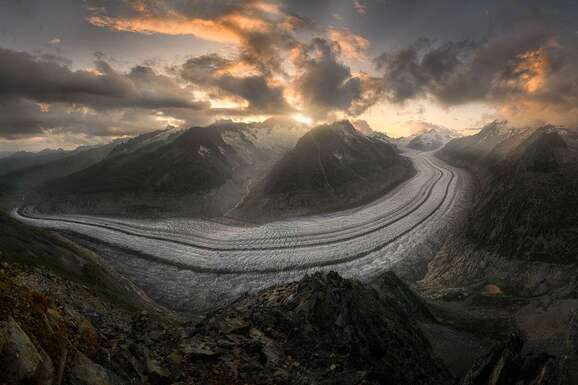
x=352 y=46
x=174 y=25
x=232 y=26
x=238 y=69
x=531 y=71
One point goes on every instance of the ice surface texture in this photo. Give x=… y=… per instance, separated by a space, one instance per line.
x=187 y=257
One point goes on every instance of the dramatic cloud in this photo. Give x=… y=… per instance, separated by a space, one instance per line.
x=24 y=76
x=259 y=28
x=525 y=73
x=352 y=46
x=324 y=84
x=202 y=60
x=236 y=79
x=24 y=119
x=38 y=94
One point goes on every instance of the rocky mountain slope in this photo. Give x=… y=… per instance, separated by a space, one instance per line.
x=521 y=233
x=24 y=159
x=332 y=167
x=506 y=363
x=527 y=207
x=200 y=171
x=323 y=329
x=50 y=252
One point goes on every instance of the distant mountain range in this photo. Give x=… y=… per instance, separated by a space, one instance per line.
x=24 y=171
x=23 y=159
x=427 y=136
x=73 y=161
x=431 y=139
x=333 y=166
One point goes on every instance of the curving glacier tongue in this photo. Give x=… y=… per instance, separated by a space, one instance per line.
x=201 y=264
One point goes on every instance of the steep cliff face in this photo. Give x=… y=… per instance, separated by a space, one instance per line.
x=331 y=167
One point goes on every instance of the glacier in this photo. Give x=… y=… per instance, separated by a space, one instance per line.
x=201 y=264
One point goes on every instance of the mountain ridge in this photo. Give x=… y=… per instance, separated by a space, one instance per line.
x=332 y=167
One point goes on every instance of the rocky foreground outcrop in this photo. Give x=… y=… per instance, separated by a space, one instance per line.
x=323 y=329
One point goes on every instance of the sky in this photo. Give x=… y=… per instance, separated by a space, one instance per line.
x=81 y=72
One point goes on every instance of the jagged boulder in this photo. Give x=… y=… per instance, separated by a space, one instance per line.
x=21 y=362
x=505 y=364
x=83 y=371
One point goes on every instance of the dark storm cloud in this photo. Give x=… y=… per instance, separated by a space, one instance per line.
x=19 y=118
x=39 y=94
x=24 y=76
x=507 y=53
x=23 y=118
x=261 y=31
x=529 y=76
x=324 y=83
x=221 y=77
x=420 y=68
x=394 y=24
x=461 y=72
x=262 y=98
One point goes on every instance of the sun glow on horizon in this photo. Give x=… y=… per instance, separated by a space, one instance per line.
x=302 y=119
